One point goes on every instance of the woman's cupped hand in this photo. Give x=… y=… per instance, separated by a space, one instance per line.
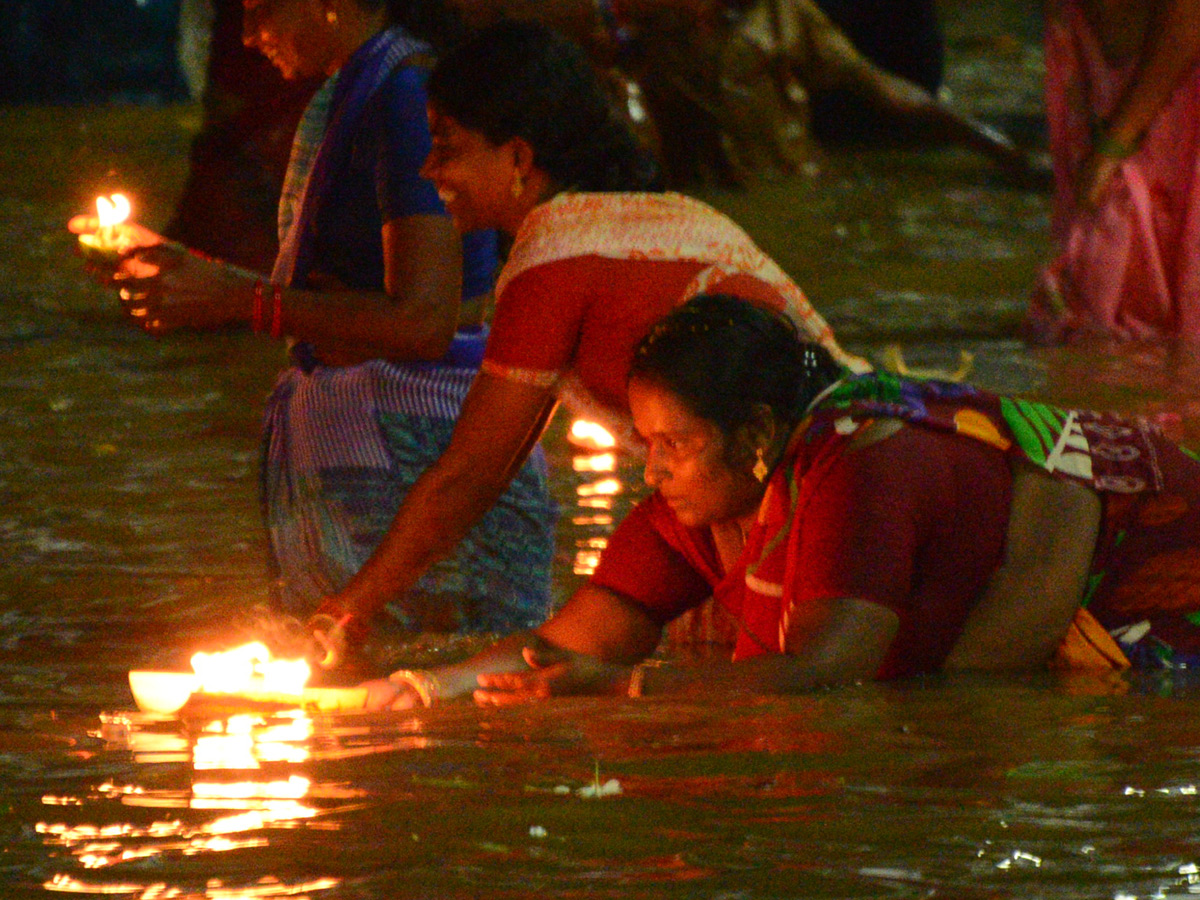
x=163 y=286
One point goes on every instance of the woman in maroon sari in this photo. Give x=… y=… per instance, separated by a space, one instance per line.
x=860 y=526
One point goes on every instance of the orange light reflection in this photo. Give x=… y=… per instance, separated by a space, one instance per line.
x=591 y=520
x=267 y=887
x=600 y=462
x=595 y=503
x=590 y=435
x=246 y=741
x=602 y=488
x=586 y=562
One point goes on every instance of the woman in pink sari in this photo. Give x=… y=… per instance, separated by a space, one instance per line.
x=1123 y=102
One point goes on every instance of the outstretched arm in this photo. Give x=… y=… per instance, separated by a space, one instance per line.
x=498 y=426
x=587 y=647
x=593 y=644
x=849 y=646
x=414 y=317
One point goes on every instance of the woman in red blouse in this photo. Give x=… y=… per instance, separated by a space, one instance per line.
x=524 y=140
x=856 y=527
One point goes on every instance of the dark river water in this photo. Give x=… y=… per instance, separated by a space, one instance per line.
x=130 y=534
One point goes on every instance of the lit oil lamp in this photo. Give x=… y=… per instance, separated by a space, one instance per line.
x=247 y=676
x=111 y=238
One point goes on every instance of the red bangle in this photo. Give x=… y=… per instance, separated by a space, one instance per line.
x=256 y=311
x=276 y=311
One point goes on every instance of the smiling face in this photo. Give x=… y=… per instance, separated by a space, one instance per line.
x=473 y=176
x=688 y=459
x=293 y=34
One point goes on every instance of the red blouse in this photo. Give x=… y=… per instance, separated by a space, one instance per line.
x=915 y=522
x=586 y=314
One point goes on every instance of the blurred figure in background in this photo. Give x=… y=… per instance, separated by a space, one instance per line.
x=724 y=88
x=1123 y=102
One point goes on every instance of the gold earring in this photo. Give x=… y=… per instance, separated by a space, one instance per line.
x=331 y=16
x=761 y=469
x=518 y=185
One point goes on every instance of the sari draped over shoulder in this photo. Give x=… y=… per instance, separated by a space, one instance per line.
x=343 y=444
x=660 y=226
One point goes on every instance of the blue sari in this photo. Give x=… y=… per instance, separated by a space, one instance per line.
x=342 y=445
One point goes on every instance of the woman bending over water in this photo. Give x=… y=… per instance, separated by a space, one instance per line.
x=524 y=140
x=855 y=527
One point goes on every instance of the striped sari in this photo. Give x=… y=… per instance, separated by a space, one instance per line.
x=342 y=445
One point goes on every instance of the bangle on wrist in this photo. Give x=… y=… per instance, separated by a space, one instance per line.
x=428 y=688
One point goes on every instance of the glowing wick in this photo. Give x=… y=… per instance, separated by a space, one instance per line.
x=110 y=212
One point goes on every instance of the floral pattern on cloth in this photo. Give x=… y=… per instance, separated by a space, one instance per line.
x=1106 y=452
x=1118 y=457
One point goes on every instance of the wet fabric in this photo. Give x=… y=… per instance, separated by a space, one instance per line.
x=1145 y=576
x=1130 y=268
x=342 y=445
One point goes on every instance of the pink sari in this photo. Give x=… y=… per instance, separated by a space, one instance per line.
x=1131 y=268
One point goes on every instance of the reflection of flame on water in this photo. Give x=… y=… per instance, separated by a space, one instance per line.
x=292 y=789
x=587 y=556
x=250 y=668
x=244 y=792
x=591 y=520
x=606 y=487
x=598 y=462
x=266 y=887
x=246 y=741
x=590 y=435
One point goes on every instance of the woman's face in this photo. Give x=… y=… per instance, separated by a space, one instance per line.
x=293 y=34
x=687 y=459
x=473 y=176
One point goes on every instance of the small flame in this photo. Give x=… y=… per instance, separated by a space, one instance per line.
x=112 y=210
x=250 y=668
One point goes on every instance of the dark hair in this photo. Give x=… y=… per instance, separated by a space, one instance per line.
x=723 y=356
x=435 y=21
x=522 y=79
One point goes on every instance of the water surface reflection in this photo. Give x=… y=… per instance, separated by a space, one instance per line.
x=131 y=538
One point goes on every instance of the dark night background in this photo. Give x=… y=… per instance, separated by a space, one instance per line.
x=89 y=51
